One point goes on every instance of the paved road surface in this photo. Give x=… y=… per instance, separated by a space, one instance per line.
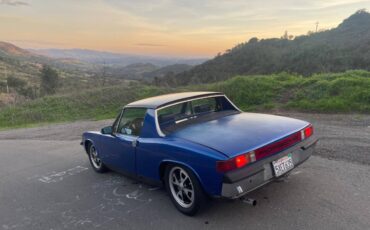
x=46 y=183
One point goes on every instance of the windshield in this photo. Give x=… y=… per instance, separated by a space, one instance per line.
x=183 y=114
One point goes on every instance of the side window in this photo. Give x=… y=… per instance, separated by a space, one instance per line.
x=116 y=122
x=131 y=121
x=174 y=112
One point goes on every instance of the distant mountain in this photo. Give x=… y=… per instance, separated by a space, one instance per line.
x=20 y=70
x=343 y=48
x=168 y=70
x=133 y=71
x=15 y=61
x=26 y=64
x=146 y=71
x=101 y=57
x=16 y=55
x=8 y=49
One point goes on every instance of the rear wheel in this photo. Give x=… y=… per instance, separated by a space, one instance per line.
x=184 y=189
x=95 y=161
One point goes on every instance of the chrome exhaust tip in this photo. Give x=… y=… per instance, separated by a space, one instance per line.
x=249 y=201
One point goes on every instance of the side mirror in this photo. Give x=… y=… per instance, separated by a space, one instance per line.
x=107 y=130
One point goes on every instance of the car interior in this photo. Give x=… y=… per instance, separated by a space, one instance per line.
x=131 y=121
x=180 y=115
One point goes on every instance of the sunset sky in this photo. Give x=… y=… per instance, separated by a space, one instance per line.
x=192 y=28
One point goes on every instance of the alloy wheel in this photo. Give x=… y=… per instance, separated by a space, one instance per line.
x=95 y=160
x=181 y=187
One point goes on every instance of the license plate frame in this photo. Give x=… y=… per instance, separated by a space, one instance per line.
x=283 y=165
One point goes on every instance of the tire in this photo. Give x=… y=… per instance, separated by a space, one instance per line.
x=95 y=161
x=181 y=188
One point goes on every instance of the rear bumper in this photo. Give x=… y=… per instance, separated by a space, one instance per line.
x=240 y=182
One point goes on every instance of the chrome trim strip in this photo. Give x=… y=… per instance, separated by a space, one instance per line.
x=114 y=129
x=182 y=120
x=233 y=103
x=193 y=99
x=159 y=131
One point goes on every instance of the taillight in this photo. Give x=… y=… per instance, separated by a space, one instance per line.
x=265 y=151
x=241 y=160
x=236 y=162
x=307 y=132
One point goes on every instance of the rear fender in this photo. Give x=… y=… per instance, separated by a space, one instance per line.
x=184 y=165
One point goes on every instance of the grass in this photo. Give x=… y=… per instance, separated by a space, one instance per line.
x=102 y=103
x=327 y=93
x=346 y=92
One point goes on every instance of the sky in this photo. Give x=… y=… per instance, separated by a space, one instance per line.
x=187 y=28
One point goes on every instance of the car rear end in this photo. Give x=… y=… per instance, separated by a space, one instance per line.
x=255 y=148
x=249 y=171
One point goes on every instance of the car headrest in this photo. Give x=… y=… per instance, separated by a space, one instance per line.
x=202 y=108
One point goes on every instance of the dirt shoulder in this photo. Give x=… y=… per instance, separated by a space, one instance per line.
x=342 y=136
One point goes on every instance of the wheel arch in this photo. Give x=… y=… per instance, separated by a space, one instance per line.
x=165 y=163
x=87 y=143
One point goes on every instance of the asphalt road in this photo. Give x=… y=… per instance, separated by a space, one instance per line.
x=46 y=183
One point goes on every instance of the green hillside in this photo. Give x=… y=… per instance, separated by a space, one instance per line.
x=98 y=103
x=346 y=92
x=342 y=92
x=346 y=47
x=20 y=74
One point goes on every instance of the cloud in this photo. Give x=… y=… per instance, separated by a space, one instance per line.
x=150 y=44
x=13 y=3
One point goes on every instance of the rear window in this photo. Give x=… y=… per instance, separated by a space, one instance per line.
x=204 y=105
x=181 y=115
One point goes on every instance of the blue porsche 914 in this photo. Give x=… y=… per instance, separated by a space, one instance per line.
x=199 y=145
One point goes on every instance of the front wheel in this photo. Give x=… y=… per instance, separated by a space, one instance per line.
x=95 y=161
x=184 y=189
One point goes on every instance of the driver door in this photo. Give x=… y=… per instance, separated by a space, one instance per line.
x=126 y=131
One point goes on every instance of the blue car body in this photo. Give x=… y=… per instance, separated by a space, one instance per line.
x=201 y=145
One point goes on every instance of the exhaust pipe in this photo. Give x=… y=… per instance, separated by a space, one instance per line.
x=249 y=201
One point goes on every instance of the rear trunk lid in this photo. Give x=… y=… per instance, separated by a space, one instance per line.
x=240 y=133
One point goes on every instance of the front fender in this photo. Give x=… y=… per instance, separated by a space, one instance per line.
x=89 y=137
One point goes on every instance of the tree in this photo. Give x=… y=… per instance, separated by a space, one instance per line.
x=253 y=40
x=287 y=36
x=16 y=82
x=49 y=80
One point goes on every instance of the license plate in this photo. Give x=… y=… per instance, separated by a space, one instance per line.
x=283 y=165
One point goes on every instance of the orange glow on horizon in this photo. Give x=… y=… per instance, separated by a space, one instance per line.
x=166 y=28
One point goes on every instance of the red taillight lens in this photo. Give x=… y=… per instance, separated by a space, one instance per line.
x=265 y=151
x=308 y=131
x=241 y=160
x=236 y=162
